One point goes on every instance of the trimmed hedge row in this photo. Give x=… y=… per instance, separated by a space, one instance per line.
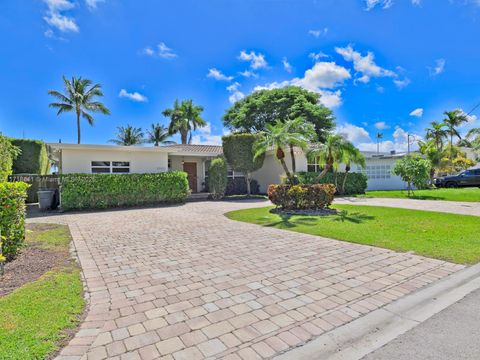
x=217 y=178
x=96 y=191
x=238 y=186
x=33 y=158
x=302 y=197
x=356 y=182
x=12 y=217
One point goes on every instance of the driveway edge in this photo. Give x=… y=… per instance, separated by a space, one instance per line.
x=370 y=332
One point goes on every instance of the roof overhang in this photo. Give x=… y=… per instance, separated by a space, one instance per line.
x=62 y=146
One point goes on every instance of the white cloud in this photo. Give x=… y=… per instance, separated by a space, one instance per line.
x=92 y=4
x=400 y=84
x=286 y=65
x=236 y=94
x=353 y=133
x=135 y=96
x=205 y=136
x=380 y=89
x=470 y=118
x=384 y=4
x=317 y=56
x=417 y=112
x=257 y=61
x=249 y=74
x=438 y=68
x=417 y=2
x=320 y=78
x=381 y=125
x=317 y=33
x=218 y=75
x=364 y=65
x=162 y=51
x=56 y=18
x=399 y=143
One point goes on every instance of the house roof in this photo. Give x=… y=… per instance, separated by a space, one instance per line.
x=61 y=146
x=180 y=149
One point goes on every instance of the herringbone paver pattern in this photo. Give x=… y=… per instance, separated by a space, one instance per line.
x=184 y=282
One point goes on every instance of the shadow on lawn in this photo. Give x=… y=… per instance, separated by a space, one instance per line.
x=341 y=216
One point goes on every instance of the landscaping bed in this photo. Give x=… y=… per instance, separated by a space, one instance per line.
x=41 y=295
x=442 y=236
x=458 y=194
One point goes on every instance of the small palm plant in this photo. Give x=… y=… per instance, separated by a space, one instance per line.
x=280 y=136
x=330 y=154
x=158 y=135
x=79 y=97
x=351 y=155
x=452 y=121
x=128 y=136
x=437 y=133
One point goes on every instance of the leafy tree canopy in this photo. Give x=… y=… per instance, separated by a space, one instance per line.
x=414 y=170
x=239 y=151
x=254 y=112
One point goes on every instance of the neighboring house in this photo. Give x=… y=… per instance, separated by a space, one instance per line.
x=195 y=160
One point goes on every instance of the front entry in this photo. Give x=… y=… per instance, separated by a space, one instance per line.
x=191 y=169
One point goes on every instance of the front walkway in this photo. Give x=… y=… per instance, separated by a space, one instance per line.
x=184 y=282
x=455 y=207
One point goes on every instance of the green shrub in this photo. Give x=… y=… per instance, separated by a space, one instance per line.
x=217 y=178
x=8 y=152
x=33 y=158
x=94 y=191
x=12 y=217
x=301 y=197
x=356 y=182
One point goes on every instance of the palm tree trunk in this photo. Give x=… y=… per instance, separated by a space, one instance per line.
x=183 y=137
x=344 y=182
x=248 y=179
x=292 y=155
x=285 y=168
x=324 y=172
x=78 y=127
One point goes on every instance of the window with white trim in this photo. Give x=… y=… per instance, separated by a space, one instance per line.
x=314 y=167
x=233 y=174
x=110 y=167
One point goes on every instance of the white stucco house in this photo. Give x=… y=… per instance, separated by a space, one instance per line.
x=195 y=159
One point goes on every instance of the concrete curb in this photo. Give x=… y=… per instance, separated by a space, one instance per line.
x=370 y=332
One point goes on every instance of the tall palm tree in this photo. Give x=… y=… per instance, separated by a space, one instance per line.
x=452 y=121
x=79 y=97
x=185 y=117
x=433 y=153
x=379 y=137
x=330 y=154
x=128 y=136
x=279 y=137
x=158 y=135
x=437 y=133
x=299 y=128
x=351 y=155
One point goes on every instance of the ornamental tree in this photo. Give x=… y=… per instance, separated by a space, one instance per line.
x=415 y=170
x=239 y=152
x=254 y=112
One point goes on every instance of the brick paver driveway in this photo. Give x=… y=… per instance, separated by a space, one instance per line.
x=184 y=282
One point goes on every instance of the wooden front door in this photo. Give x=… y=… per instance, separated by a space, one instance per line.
x=191 y=169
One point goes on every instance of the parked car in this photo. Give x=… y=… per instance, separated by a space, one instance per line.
x=464 y=179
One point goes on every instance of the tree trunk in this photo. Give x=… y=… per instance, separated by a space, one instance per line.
x=336 y=179
x=344 y=182
x=248 y=179
x=292 y=155
x=78 y=127
x=183 y=137
x=285 y=168
x=324 y=172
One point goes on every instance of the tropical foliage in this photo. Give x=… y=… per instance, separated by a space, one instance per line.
x=265 y=107
x=8 y=153
x=185 y=117
x=239 y=151
x=128 y=136
x=352 y=183
x=79 y=97
x=414 y=170
x=158 y=135
x=301 y=197
x=217 y=178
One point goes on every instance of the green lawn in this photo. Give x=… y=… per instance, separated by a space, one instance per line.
x=460 y=194
x=443 y=236
x=35 y=317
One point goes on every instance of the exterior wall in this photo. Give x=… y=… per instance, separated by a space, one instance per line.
x=176 y=164
x=79 y=161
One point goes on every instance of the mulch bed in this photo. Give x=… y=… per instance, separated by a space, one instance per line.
x=30 y=264
x=309 y=212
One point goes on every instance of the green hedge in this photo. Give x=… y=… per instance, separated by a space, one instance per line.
x=33 y=159
x=96 y=191
x=8 y=152
x=302 y=197
x=217 y=178
x=12 y=217
x=356 y=182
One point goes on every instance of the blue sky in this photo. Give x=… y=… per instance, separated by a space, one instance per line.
x=381 y=65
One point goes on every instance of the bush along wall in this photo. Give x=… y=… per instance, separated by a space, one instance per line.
x=96 y=191
x=238 y=186
x=33 y=158
x=217 y=178
x=12 y=217
x=301 y=197
x=356 y=182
